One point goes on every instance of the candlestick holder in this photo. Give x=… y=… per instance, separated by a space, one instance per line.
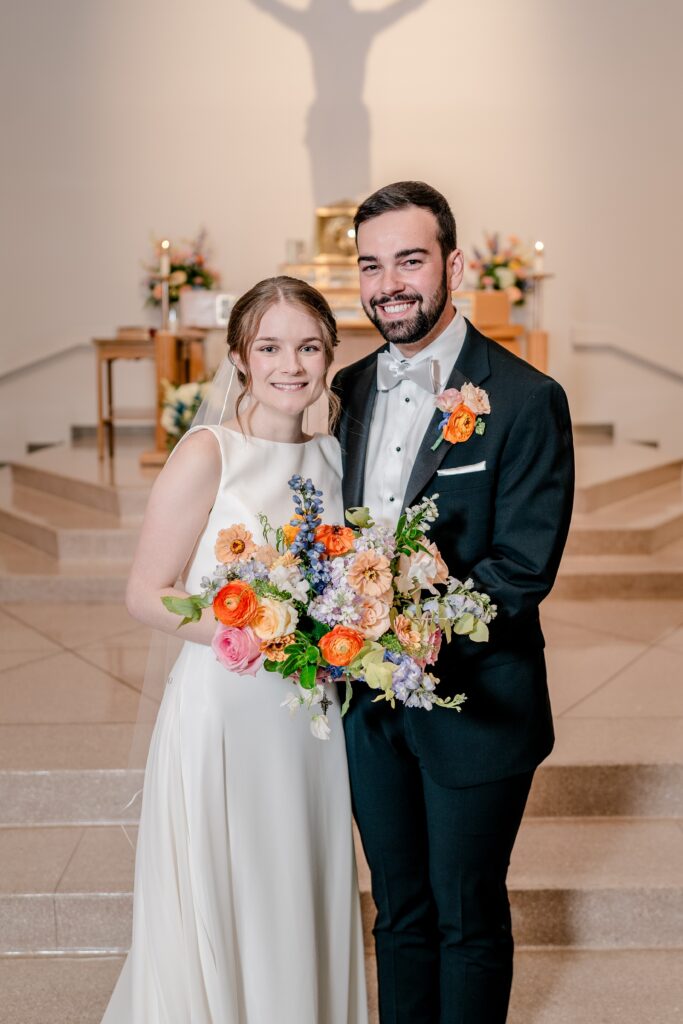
x=537 y=278
x=537 y=338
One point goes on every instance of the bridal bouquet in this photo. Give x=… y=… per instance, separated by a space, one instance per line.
x=322 y=604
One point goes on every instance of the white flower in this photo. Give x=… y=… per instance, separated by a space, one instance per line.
x=187 y=393
x=293 y=703
x=320 y=727
x=289 y=578
x=418 y=570
x=168 y=420
x=506 y=277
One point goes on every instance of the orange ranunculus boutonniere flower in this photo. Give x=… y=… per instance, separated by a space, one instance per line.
x=235 y=604
x=462 y=413
x=460 y=426
x=341 y=645
x=337 y=539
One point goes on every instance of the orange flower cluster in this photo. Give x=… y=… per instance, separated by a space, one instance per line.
x=341 y=645
x=235 y=604
x=337 y=539
x=460 y=426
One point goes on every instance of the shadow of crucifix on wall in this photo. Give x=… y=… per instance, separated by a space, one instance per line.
x=338 y=125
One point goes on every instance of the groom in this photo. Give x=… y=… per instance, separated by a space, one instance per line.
x=439 y=796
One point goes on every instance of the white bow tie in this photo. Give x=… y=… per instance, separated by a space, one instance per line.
x=391 y=372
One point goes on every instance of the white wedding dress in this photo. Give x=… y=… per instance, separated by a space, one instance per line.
x=246 y=907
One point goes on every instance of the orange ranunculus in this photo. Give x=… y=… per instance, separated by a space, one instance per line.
x=276 y=650
x=341 y=645
x=235 y=604
x=337 y=539
x=290 y=531
x=460 y=425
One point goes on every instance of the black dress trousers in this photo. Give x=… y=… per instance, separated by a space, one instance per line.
x=439 y=858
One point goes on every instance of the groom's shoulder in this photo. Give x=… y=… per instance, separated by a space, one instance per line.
x=513 y=369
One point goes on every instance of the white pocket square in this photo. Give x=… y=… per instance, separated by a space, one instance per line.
x=476 y=467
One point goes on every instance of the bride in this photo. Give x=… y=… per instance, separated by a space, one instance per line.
x=246 y=906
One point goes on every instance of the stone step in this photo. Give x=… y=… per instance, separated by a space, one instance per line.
x=29 y=575
x=610 y=474
x=638 y=525
x=75 y=773
x=101 y=796
x=64 y=529
x=657 y=575
x=74 y=472
x=595 y=883
x=550 y=986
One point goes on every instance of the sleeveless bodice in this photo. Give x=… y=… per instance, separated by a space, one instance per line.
x=254 y=479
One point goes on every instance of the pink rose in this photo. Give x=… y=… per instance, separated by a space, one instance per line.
x=238 y=650
x=449 y=400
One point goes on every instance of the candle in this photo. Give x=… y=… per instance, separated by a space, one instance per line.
x=538 y=258
x=165 y=261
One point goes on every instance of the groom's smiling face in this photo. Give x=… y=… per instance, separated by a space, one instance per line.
x=404 y=279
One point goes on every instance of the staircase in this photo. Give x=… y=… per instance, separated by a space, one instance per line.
x=596 y=880
x=68 y=524
x=598 y=865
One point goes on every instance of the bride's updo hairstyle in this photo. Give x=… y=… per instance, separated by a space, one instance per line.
x=248 y=311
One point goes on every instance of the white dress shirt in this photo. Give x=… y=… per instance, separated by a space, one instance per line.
x=399 y=422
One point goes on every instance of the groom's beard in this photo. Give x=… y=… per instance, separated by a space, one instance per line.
x=411 y=329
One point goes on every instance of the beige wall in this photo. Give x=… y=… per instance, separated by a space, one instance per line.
x=553 y=120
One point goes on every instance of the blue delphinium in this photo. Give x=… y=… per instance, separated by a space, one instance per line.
x=309 y=507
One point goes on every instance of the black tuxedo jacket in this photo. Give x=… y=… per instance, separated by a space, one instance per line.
x=505 y=527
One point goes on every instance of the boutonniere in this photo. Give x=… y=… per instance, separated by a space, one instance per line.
x=462 y=413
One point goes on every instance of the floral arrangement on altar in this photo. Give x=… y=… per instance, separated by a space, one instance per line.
x=188 y=269
x=324 y=604
x=178 y=408
x=504 y=267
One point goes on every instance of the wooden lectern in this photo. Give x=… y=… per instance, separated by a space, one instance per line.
x=179 y=358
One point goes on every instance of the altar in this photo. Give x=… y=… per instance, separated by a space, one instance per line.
x=183 y=355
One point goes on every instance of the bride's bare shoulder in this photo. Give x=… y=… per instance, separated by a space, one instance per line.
x=197 y=456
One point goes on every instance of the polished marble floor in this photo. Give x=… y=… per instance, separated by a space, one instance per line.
x=70 y=677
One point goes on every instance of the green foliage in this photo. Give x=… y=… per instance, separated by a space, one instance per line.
x=190 y=607
x=263 y=588
x=348 y=694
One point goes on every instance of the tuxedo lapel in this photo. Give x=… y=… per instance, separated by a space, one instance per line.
x=359 y=410
x=472 y=365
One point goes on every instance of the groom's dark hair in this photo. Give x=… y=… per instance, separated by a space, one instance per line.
x=412 y=193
